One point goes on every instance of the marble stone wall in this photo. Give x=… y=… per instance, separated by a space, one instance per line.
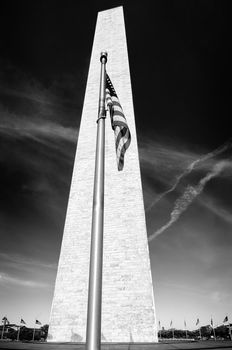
x=128 y=312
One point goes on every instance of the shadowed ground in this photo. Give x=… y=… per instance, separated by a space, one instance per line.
x=217 y=345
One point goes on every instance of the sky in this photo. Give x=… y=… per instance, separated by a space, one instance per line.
x=179 y=60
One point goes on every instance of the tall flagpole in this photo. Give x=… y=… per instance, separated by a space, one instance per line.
x=3 y=328
x=93 y=331
x=33 y=336
x=159 y=333
x=212 y=324
x=214 y=335
x=18 y=333
x=186 y=332
x=19 y=329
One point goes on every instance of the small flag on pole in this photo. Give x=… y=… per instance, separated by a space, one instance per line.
x=211 y=322
x=37 y=322
x=5 y=320
x=171 y=324
x=185 y=323
x=22 y=321
x=198 y=321
x=118 y=122
x=225 y=319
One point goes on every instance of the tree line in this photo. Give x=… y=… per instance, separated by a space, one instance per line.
x=204 y=332
x=26 y=333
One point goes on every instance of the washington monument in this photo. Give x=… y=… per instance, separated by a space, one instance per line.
x=128 y=310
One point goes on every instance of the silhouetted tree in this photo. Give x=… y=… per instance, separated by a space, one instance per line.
x=206 y=331
x=44 y=332
x=222 y=332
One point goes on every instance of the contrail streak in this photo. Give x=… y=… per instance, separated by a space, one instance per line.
x=191 y=192
x=191 y=166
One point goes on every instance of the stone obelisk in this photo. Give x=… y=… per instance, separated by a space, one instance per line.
x=128 y=311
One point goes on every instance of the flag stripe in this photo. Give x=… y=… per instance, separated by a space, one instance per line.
x=118 y=122
x=121 y=140
x=116 y=103
x=118 y=114
x=119 y=134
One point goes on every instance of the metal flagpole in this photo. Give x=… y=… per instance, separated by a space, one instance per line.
x=19 y=330
x=212 y=324
x=230 y=332
x=160 y=332
x=3 y=328
x=18 y=333
x=214 y=335
x=93 y=331
x=33 y=337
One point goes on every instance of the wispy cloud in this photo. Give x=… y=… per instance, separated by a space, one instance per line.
x=20 y=261
x=189 y=290
x=32 y=110
x=60 y=94
x=190 y=193
x=6 y=279
x=19 y=126
x=202 y=292
x=217 y=296
x=190 y=168
x=40 y=96
x=216 y=209
x=161 y=164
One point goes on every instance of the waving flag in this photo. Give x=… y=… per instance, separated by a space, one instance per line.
x=198 y=321
x=118 y=122
x=22 y=321
x=37 y=322
x=225 y=319
x=5 y=320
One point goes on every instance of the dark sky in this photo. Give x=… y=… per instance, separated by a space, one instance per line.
x=178 y=52
x=179 y=63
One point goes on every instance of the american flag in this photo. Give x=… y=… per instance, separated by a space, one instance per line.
x=118 y=122
x=37 y=322
x=22 y=321
x=198 y=321
x=5 y=320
